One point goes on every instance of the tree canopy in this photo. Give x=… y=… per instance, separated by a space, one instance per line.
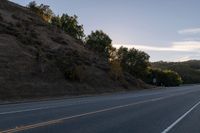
x=133 y=61
x=70 y=25
x=100 y=42
x=42 y=10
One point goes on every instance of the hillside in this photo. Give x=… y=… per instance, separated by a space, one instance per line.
x=39 y=60
x=189 y=70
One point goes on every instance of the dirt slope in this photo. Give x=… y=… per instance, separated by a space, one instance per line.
x=38 y=60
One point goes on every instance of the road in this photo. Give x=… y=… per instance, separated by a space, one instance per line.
x=168 y=110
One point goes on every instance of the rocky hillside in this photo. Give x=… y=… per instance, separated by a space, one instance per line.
x=39 y=60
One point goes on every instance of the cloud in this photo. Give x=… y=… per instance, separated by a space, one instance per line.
x=187 y=45
x=147 y=48
x=187 y=58
x=190 y=31
x=182 y=46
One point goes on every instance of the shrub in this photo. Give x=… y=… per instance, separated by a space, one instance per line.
x=15 y=17
x=116 y=70
x=75 y=73
x=78 y=73
x=33 y=34
x=59 y=39
x=71 y=70
x=42 y=10
x=165 y=77
x=18 y=24
x=1 y=18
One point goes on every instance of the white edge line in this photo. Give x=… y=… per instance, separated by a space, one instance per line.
x=42 y=124
x=180 y=118
x=79 y=102
x=52 y=107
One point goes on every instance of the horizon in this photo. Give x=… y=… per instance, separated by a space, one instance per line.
x=166 y=30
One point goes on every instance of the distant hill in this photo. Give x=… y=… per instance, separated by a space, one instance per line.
x=39 y=60
x=189 y=70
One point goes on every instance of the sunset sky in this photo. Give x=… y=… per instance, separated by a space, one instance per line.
x=167 y=30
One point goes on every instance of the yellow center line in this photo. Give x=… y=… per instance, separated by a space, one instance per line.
x=56 y=121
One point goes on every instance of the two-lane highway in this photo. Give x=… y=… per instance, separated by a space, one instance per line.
x=173 y=110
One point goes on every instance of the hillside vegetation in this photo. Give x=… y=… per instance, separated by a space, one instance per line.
x=47 y=55
x=40 y=57
x=189 y=70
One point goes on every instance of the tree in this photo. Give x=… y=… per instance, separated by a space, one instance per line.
x=32 y=5
x=70 y=25
x=134 y=61
x=122 y=55
x=113 y=54
x=99 y=42
x=42 y=10
x=55 y=20
x=116 y=70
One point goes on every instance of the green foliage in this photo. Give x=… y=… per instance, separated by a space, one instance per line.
x=71 y=26
x=189 y=70
x=134 y=61
x=55 y=20
x=99 y=42
x=68 y=67
x=116 y=70
x=164 y=77
x=75 y=73
x=42 y=10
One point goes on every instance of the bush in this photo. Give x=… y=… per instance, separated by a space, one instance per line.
x=75 y=73
x=42 y=10
x=116 y=70
x=69 y=68
x=1 y=18
x=15 y=17
x=164 y=77
x=18 y=25
x=78 y=73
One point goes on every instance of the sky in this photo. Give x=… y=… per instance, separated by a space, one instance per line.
x=167 y=30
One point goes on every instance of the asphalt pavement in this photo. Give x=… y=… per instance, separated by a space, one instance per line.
x=166 y=110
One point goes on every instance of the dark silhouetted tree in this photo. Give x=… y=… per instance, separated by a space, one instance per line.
x=134 y=61
x=99 y=42
x=55 y=20
x=70 y=25
x=42 y=10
